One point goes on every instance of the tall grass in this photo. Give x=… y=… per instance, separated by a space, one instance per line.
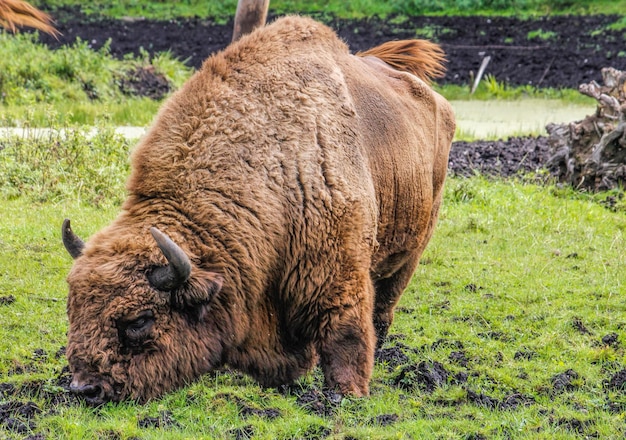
x=65 y=163
x=31 y=74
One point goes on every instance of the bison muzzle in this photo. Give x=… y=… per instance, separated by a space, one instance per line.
x=276 y=210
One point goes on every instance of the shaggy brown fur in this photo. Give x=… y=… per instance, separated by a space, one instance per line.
x=15 y=13
x=420 y=57
x=303 y=183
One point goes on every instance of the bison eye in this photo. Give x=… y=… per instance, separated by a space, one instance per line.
x=137 y=329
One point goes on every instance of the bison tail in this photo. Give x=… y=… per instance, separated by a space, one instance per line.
x=422 y=58
x=15 y=13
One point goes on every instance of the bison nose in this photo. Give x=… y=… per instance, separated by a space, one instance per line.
x=92 y=393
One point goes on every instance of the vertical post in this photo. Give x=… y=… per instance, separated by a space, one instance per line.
x=250 y=15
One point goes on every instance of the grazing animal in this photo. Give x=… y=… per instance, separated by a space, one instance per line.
x=15 y=13
x=277 y=208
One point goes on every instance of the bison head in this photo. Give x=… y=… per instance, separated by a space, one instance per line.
x=138 y=310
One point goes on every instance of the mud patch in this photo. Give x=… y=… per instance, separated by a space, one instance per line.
x=391 y=357
x=315 y=432
x=18 y=413
x=321 y=403
x=504 y=158
x=480 y=399
x=165 y=419
x=565 y=381
x=426 y=376
x=7 y=300
x=246 y=410
x=510 y=402
x=459 y=357
x=573 y=54
x=16 y=416
x=145 y=81
x=580 y=326
x=385 y=419
x=617 y=381
x=611 y=340
x=243 y=433
x=524 y=355
x=268 y=413
x=574 y=424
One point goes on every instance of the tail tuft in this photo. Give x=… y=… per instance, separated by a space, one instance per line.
x=15 y=13
x=422 y=58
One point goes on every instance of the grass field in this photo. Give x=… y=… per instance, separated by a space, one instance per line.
x=519 y=285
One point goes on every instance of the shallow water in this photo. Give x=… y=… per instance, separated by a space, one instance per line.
x=501 y=119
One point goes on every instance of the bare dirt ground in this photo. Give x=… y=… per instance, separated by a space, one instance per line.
x=562 y=51
x=573 y=54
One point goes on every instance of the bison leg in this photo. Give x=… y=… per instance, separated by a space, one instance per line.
x=388 y=292
x=346 y=348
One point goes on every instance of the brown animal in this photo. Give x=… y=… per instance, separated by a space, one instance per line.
x=277 y=209
x=15 y=13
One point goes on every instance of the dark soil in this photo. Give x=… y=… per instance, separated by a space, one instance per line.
x=611 y=340
x=617 y=381
x=145 y=81
x=385 y=419
x=391 y=357
x=425 y=375
x=321 y=403
x=510 y=402
x=515 y=156
x=6 y=300
x=565 y=381
x=165 y=419
x=568 y=51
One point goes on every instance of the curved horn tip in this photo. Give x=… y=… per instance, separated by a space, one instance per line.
x=158 y=235
x=71 y=241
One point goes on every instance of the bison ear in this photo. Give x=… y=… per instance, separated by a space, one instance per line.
x=194 y=298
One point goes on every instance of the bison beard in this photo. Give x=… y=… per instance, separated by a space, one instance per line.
x=277 y=209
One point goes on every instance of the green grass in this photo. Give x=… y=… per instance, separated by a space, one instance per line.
x=75 y=81
x=137 y=112
x=223 y=10
x=511 y=268
x=491 y=88
x=65 y=163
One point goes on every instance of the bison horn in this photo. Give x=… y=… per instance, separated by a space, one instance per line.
x=72 y=243
x=173 y=275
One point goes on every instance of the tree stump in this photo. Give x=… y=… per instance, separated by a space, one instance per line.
x=591 y=154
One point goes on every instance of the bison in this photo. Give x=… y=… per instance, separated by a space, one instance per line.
x=276 y=210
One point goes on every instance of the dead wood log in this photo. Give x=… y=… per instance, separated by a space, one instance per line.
x=591 y=154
